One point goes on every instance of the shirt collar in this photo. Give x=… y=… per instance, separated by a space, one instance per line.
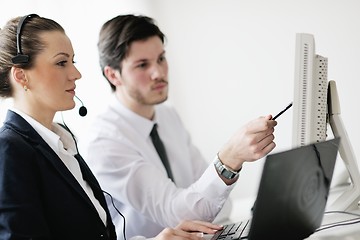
x=56 y=138
x=66 y=138
x=142 y=125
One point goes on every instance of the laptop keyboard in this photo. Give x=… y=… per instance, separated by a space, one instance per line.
x=237 y=230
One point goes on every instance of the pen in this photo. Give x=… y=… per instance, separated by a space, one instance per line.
x=277 y=115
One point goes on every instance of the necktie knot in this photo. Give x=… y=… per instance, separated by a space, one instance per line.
x=154 y=132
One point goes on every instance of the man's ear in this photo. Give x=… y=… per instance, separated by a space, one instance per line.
x=113 y=75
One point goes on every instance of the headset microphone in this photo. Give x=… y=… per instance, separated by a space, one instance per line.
x=82 y=109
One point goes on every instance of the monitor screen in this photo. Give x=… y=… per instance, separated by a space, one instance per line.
x=293 y=192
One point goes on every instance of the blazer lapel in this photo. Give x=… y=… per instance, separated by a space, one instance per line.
x=22 y=127
x=91 y=180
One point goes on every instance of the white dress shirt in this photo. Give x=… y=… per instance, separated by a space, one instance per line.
x=62 y=143
x=122 y=157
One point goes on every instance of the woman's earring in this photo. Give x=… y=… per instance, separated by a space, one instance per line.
x=25 y=88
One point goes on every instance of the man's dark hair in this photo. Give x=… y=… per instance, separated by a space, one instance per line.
x=116 y=36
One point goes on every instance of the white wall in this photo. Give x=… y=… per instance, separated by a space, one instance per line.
x=230 y=60
x=233 y=60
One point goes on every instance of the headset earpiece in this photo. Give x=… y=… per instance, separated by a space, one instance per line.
x=21 y=58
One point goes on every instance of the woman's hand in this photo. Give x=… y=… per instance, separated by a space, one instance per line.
x=193 y=230
x=199 y=226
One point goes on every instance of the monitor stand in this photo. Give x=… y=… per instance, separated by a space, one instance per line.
x=349 y=197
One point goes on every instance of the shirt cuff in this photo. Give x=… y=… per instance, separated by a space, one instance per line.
x=212 y=186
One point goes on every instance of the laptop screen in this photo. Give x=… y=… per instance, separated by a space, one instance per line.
x=293 y=192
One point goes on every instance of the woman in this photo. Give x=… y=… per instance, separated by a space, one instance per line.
x=46 y=189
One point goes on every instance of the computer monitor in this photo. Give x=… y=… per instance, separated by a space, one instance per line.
x=316 y=107
x=310 y=93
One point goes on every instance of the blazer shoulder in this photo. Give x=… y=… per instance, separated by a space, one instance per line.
x=9 y=135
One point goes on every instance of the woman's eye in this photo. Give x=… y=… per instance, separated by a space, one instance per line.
x=62 y=63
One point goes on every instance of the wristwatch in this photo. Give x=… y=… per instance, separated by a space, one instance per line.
x=224 y=170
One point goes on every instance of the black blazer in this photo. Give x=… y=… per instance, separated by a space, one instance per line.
x=39 y=197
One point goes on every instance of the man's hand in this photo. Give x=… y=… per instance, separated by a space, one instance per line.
x=252 y=142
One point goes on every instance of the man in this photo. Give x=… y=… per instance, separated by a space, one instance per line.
x=152 y=194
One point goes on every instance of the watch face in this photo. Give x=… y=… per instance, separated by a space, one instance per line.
x=227 y=174
x=223 y=171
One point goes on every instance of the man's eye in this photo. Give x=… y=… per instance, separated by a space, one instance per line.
x=142 y=65
x=162 y=59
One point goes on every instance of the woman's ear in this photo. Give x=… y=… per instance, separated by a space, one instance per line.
x=113 y=75
x=18 y=75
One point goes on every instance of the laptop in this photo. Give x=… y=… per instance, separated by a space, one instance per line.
x=292 y=194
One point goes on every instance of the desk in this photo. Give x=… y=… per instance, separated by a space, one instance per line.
x=241 y=210
x=344 y=231
x=348 y=232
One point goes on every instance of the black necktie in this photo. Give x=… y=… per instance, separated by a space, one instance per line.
x=161 y=150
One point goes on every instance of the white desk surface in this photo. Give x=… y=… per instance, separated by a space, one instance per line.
x=341 y=229
x=241 y=210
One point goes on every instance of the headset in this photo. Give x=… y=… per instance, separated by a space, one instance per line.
x=21 y=58
x=82 y=109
